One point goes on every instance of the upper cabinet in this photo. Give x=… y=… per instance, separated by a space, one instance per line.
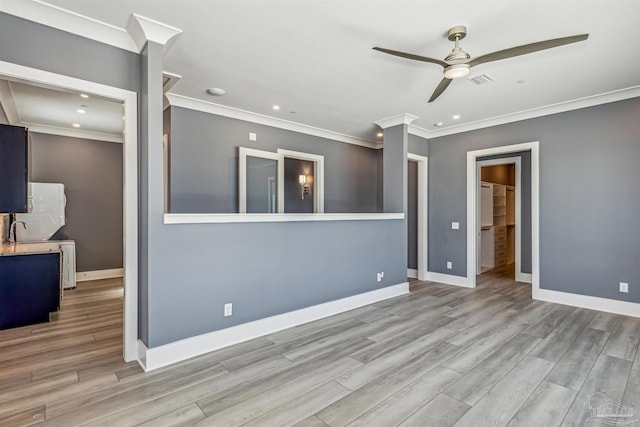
x=13 y=169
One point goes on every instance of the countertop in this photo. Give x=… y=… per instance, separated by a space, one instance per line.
x=30 y=248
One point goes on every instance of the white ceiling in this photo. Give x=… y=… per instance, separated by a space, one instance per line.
x=314 y=58
x=53 y=110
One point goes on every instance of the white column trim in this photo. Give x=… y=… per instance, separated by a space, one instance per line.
x=143 y=30
x=400 y=119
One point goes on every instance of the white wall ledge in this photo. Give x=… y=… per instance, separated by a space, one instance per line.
x=234 y=217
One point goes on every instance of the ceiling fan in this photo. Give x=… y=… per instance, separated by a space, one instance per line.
x=458 y=62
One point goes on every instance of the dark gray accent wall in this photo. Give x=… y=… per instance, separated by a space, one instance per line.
x=91 y=172
x=204 y=163
x=293 y=201
x=589 y=200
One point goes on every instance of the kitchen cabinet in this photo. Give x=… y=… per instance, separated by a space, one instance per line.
x=29 y=288
x=13 y=169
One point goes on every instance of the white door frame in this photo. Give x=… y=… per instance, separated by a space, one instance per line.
x=472 y=203
x=130 y=192
x=423 y=189
x=517 y=161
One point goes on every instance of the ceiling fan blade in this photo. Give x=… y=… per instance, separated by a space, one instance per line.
x=526 y=48
x=444 y=83
x=411 y=56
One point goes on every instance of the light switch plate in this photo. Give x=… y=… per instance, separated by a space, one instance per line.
x=253 y=136
x=624 y=287
x=455 y=226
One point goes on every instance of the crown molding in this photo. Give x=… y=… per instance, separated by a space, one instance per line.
x=83 y=134
x=418 y=131
x=576 y=104
x=248 y=116
x=71 y=22
x=143 y=30
x=400 y=119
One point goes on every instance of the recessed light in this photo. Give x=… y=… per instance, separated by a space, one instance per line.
x=438 y=124
x=84 y=95
x=456 y=116
x=379 y=134
x=216 y=91
x=76 y=125
x=276 y=107
x=81 y=111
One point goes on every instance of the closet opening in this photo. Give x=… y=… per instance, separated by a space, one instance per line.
x=499 y=217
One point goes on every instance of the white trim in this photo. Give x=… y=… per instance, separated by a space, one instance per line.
x=518 y=188
x=279 y=217
x=130 y=170
x=261 y=119
x=318 y=177
x=472 y=204
x=167 y=354
x=624 y=308
x=423 y=211
x=85 y=276
x=523 y=277
x=400 y=119
x=449 y=279
x=418 y=131
x=412 y=273
x=84 y=134
x=71 y=22
x=143 y=30
x=576 y=104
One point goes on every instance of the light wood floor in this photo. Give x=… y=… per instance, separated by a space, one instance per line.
x=442 y=355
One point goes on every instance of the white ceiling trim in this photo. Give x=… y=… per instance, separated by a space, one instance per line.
x=143 y=30
x=74 y=133
x=400 y=119
x=248 y=116
x=576 y=104
x=418 y=131
x=71 y=22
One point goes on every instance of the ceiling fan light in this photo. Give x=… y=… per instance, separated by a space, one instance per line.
x=456 y=71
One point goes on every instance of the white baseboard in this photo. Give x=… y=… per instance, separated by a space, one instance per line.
x=584 y=301
x=412 y=273
x=157 y=357
x=449 y=279
x=84 y=276
x=523 y=277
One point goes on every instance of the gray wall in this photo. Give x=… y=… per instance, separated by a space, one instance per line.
x=204 y=163
x=91 y=172
x=589 y=199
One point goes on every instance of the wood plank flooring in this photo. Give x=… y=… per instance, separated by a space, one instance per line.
x=439 y=356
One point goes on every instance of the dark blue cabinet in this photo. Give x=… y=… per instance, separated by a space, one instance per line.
x=13 y=169
x=29 y=288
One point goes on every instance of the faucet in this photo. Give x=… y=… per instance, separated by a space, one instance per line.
x=12 y=231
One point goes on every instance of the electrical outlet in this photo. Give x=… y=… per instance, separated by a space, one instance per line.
x=380 y=276
x=228 y=309
x=252 y=136
x=449 y=265
x=624 y=287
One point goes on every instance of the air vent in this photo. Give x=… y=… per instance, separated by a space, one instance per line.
x=480 y=79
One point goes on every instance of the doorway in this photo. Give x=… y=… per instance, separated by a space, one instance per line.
x=417 y=215
x=473 y=183
x=499 y=214
x=128 y=98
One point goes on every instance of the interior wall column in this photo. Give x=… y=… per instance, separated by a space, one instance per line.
x=152 y=39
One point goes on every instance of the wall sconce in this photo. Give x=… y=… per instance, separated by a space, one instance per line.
x=302 y=179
